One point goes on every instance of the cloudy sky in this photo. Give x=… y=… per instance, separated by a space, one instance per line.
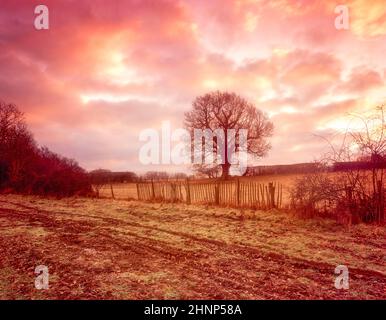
x=105 y=70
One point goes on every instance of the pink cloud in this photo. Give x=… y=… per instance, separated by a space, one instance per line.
x=106 y=70
x=361 y=80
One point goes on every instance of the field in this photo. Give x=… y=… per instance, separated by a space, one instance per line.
x=100 y=248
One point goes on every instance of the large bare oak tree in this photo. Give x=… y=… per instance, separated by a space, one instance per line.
x=224 y=110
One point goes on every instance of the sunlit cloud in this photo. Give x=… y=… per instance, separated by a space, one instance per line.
x=102 y=73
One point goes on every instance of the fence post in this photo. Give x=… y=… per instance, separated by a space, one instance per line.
x=137 y=191
x=238 y=192
x=188 y=200
x=180 y=192
x=152 y=190
x=263 y=205
x=271 y=189
x=112 y=191
x=173 y=191
x=281 y=195
x=217 y=193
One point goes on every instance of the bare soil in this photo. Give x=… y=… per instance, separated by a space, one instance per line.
x=105 y=249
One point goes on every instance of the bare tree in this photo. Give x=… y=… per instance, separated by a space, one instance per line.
x=209 y=171
x=356 y=187
x=370 y=142
x=225 y=111
x=17 y=146
x=99 y=179
x=27 y=168
x=156 y=175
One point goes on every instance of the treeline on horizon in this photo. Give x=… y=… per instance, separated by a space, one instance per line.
x=105 y=176
x=28 y=168
x=314 y=167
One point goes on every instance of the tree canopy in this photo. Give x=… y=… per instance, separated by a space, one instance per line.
x=226 y=111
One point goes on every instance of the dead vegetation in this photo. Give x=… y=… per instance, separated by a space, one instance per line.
x=355 y=193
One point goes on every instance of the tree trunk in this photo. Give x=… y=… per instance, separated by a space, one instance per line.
x=225 y=170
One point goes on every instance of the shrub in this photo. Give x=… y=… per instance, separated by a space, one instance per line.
x=336 y=195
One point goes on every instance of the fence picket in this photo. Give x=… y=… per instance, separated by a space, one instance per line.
x=229 y=193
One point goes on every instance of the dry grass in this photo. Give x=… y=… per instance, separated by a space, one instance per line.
x=121 y=191
x=131 y=250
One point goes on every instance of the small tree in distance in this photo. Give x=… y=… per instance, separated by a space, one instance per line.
x=225 y=111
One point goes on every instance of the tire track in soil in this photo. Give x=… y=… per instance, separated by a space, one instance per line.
x=239 y=261
x=17 y=253
x=231 y=281
x=109 y=221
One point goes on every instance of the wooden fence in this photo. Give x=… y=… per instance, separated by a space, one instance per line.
x=226 y=193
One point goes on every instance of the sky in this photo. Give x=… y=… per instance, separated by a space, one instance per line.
x=106 y=70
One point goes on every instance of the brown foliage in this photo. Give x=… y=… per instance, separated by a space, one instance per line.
x=358 y=191
x=27 y=168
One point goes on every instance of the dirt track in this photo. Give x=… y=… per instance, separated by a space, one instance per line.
x=130 y=250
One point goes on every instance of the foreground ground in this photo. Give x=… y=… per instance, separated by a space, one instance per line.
x=131 y=250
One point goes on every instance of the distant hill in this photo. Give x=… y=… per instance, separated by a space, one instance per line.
x=283 y=169
x=313 y=167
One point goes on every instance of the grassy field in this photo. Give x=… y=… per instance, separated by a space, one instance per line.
x=131 y=250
